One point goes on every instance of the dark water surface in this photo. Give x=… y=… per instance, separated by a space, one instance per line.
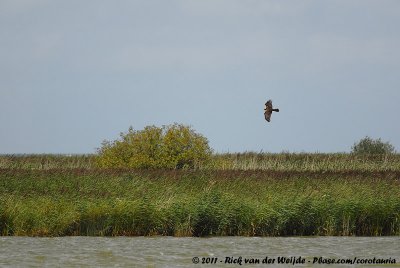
x=182 y=252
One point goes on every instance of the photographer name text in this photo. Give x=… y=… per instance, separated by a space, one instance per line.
x=291 y=260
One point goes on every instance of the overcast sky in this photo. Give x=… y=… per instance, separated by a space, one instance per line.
x=74 y=73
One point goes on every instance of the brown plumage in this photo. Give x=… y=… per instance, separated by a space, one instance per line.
x=268 y=110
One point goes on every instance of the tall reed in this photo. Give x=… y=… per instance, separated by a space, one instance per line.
x=314 y=162
x=197 y=203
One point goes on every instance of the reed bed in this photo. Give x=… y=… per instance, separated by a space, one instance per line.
x=228 y=161
x=89 y=201
x=305 y=162
x=46 y=161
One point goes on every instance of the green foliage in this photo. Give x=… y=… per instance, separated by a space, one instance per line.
x=174 y=146
x=197 y=203
x=250 y=194
x=371 y=146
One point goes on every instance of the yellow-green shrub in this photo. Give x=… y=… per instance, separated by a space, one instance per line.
x=368 y=145
x=173 y=146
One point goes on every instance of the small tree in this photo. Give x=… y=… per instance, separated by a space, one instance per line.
x=371 y=146
x=173 y=146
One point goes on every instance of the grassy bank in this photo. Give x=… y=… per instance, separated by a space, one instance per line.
x=82 y=200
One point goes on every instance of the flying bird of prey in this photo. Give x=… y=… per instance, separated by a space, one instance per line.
x=268 y=110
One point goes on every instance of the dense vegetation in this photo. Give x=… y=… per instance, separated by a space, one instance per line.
x=368 y=145
x=171 y=146
x=235 y=194
x=337 y=162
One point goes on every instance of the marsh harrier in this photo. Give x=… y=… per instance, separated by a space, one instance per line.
x=268 y=110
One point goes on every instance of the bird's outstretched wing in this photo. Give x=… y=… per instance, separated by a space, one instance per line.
x=268 y=110
x=267 y=116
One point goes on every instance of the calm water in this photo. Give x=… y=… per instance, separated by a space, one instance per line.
x=179 y=252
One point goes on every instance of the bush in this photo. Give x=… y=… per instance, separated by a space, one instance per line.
x=371 y=146
x=174 y=146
